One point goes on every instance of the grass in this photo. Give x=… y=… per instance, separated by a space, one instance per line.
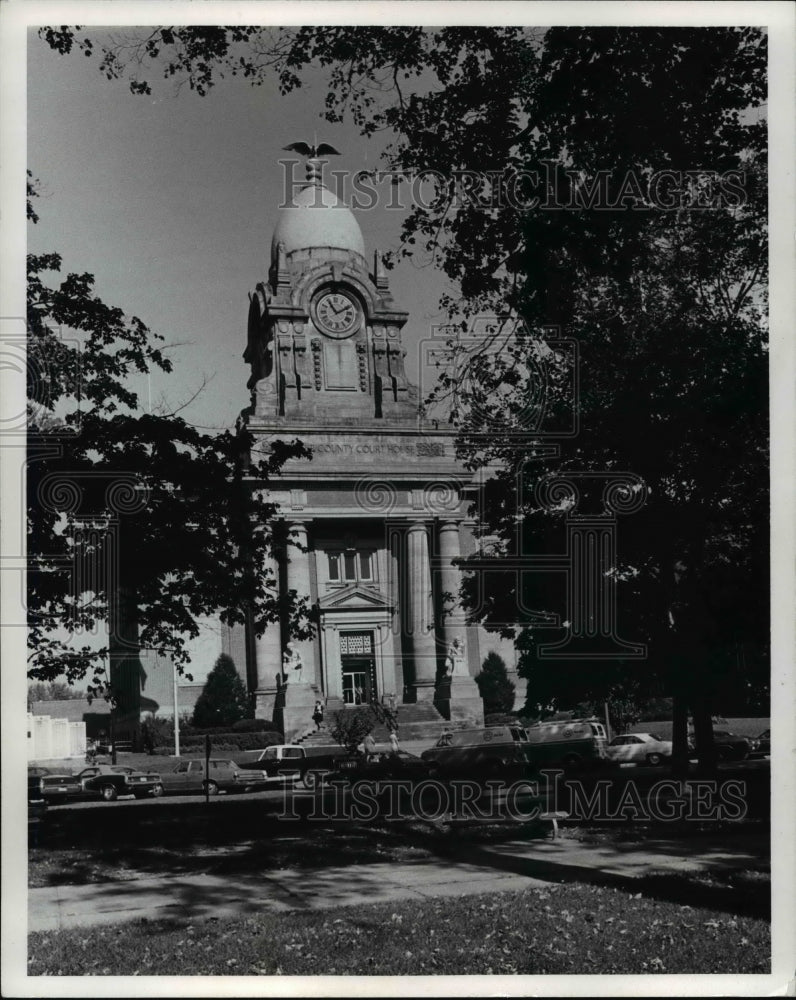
x=566 y=929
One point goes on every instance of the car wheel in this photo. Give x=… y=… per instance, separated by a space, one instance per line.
x=211 y=788
x=311 y=779
x=654 y=759
x=108 y=793
x=157 y=791
x=723 y=753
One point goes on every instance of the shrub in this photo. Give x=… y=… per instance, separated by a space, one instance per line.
x=221 y=741
x=253 y=726
x=352 y=725
x=223 y=700
x=494 y=684
x=157 y=732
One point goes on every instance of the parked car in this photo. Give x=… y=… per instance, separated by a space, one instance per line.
x=283 y=762
x=472 y=752
x=728 y=745
x=35 y=774
x=103 y=781
x=639 y=748
x=388 y=766
x=189 y=776
x=761 y=745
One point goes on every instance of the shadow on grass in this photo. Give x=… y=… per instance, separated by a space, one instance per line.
x=244 y=841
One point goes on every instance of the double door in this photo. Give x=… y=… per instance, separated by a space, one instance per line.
x=359 y=668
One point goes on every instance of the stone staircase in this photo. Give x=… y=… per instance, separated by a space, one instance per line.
x=415 y=722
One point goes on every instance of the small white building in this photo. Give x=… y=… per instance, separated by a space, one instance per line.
x=54 y=739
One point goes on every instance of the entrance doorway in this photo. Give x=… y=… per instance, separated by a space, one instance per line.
x=359 y=667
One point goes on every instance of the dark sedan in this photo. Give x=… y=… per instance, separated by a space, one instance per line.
x=389 y=766
x=761 y=745
x=35 y=774
x=728 y=745
x=190 y=777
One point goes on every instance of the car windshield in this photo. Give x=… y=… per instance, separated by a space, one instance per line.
x=652 y=736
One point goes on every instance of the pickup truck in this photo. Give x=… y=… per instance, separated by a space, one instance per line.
x=102 y=781
x=291 y=762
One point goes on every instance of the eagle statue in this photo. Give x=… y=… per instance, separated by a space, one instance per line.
x=314 y=151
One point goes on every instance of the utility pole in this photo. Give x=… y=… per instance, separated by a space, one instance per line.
x=176 y=710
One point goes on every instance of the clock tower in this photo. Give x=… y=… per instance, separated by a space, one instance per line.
x=324 y=340
x=372 y=524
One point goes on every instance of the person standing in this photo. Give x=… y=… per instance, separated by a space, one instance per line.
x=317 y=715
x=393 y=741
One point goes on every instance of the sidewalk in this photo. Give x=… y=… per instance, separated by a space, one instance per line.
x=508 y=866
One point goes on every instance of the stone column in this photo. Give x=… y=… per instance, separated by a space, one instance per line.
x=299 y=697
x=268 y=646
x=420 y=624
x=465 y=702
x=394 y=546
x=449 y=582
x=298 y=579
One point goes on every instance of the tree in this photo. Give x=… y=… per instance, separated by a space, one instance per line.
x=642 y=236
x=137 y=522
x=223 y=700
x=494 y=684
x=53 y=691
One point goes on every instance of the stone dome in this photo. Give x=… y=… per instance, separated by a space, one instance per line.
x=317 y=218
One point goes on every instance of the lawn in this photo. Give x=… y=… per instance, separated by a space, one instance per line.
x=558 y=929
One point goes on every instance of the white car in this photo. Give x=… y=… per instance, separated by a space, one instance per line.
x=639 y=748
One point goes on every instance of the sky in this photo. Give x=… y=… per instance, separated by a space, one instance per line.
x=170 y=201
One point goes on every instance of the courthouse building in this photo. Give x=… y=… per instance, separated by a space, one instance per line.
x=373 y=522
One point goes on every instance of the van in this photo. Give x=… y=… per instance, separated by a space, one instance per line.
x=489 y=750
x=569 y=743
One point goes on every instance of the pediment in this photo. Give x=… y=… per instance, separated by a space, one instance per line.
x=355 y=598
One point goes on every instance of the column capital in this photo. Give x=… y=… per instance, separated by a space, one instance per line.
x=449 y=523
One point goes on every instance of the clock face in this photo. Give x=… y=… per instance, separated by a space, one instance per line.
x=336 y=314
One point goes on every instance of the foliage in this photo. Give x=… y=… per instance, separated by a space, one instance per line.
x=223 y=700
x=253 y=725
x=494 y=684
x=53 y=691
x=157 y=732
x=110 y=486
x=241 y=726
x=352 y=725
x=229 y=742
